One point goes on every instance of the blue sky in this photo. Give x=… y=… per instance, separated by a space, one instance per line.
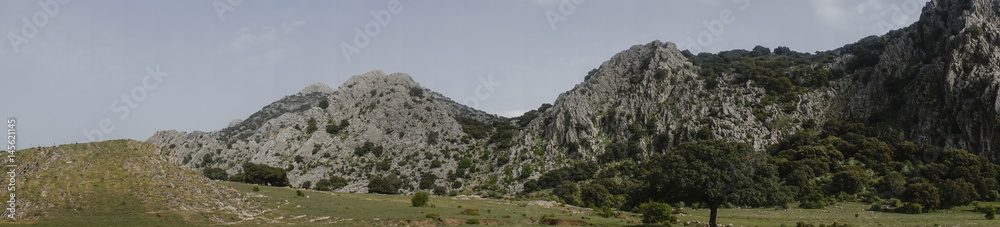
x=180 y=65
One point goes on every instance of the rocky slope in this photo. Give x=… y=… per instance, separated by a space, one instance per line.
x=934 y=82
x=409 y=125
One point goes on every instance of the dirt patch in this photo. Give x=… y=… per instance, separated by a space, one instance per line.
x=452 y=221
x=548 y=221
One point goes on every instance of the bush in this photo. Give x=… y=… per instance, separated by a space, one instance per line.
x=851 y=180
x=470 y=211
x=595 y=194
x=975 y=31
x=925 y=194
x=264 y=175
x=991 y=212
x=323 y=185
x=465 y=163
x=323 y=104
x=385 y=185
x=306 y=185
x=299 y=193
x=427 y=180
x=417 y=92
x=215 y=173
x=472 y=221
x=337 y=182
x=432 y=138
x=607 y=212
x=420 y=199
x=656 y=212
x=910 y=208
x=568 y=192
x=440 y=190
x=256 y=189
x=311 y=126
x=434 y=216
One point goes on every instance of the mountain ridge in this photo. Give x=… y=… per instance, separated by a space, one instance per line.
x=932 y=82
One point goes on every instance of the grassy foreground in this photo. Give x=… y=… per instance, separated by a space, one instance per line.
x=346 y=209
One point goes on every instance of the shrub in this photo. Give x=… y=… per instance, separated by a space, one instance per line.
x=813 y=201
x=656 y=212
x=264 y=175
x=385 y=185
x=420 y=199
x=925 y=194
x=306 y=185
x=427 y=180
x=417 y=92
x=991 y=212
x=910 y=208
x=434 y=216
x=440 y=190
x=215 y=173
x=311 y=126
x=975 y=31
x=568 y=192
x=607 y=212
x=324 y=104
x=299 y=193
x=470 y=211
x=432 y=137
x=337 y=182
x=323 y=185
x=472 y=221
x=256 y=189
x=851 y=180
x=595 y=194
x=957 y=193
x=465 y=163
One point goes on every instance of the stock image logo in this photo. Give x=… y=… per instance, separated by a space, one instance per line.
x=508 y=113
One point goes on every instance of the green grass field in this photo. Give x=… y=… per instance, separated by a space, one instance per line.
x=346 y=209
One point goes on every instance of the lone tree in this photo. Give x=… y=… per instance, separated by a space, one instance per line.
x=714 y=173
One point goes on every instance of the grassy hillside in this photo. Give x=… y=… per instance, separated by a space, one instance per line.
x=322 y=208
x=120 y=182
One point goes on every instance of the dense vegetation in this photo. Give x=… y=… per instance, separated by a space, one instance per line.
x=846 y=163
x=783 y=73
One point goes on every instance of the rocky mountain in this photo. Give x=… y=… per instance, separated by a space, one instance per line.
x=374 y=124
x=934 y=82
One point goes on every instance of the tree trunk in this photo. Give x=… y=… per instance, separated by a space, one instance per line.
x=715 y=213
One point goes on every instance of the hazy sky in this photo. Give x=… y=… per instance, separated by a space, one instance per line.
x=199 y=64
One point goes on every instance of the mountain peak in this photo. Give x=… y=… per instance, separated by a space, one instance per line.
x=377 y=78
x=317 y=87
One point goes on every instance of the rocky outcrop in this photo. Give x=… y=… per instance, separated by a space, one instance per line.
x=410 y=124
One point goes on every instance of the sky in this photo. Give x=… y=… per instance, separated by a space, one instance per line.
x=84 y=70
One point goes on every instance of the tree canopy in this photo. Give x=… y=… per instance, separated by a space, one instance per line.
x=714 y=172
